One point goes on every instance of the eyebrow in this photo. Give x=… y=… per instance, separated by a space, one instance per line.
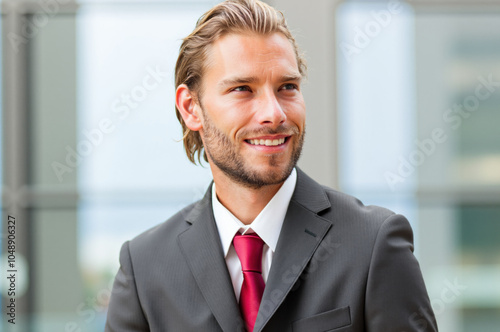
x=253 y=79
x=291 y=77
x=237 y=81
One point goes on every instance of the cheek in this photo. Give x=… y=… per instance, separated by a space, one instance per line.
x=228 y=121
x=297 y=113
x=234 y=116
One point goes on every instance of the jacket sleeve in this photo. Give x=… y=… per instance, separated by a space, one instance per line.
x=396 y=297
x=124 y=312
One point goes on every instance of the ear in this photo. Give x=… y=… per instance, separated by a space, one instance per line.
x=188 y=107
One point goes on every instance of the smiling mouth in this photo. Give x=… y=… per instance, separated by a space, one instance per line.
x=267 y=142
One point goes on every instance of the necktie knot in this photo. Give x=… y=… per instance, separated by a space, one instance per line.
x=249 y=250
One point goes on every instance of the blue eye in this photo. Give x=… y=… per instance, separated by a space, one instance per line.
x=242 y=88
x=289 y=86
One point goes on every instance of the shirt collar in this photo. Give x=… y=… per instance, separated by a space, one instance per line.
x=267 y=224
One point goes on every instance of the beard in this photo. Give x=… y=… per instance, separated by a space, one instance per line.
x=227 y=157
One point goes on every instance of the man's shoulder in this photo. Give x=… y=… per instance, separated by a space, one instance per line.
x=345 y=203
x=350 y=215
x=331 y=203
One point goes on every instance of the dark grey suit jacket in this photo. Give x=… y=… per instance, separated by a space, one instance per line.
x=338 y=266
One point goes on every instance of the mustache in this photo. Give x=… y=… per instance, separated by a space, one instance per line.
x=284 y=129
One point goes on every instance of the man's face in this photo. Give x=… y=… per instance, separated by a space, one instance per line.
x=253 y=112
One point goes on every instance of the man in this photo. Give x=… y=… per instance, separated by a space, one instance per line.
x=267 y=248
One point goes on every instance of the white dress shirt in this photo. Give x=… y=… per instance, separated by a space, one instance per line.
x=267 y=225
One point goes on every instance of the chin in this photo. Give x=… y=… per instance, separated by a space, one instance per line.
x=275 y=174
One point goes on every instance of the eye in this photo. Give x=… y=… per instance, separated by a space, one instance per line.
x=243 y=88
x=289 y=86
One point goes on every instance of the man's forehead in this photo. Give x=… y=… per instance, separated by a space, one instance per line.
x=239 y=50
x=264 y=43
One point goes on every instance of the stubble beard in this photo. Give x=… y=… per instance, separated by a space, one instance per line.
x=225 y=155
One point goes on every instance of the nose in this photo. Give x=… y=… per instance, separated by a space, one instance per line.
x=270 y=112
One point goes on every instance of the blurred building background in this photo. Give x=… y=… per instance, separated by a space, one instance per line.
x=403 y=111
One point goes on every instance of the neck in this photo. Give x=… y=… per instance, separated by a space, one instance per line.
x=243 y=202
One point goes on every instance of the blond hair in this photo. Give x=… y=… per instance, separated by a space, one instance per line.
x=231 y=16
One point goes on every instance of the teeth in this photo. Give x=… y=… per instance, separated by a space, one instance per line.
x=267 y=142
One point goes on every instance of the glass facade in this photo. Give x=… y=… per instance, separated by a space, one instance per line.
x=133 y=170
x=423 y=124
x=96 y=153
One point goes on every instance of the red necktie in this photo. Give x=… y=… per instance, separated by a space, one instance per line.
x=249 y=251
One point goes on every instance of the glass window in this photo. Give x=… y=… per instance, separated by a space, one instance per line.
x=376 y=102
x=480 y=234
x=133 y=170
x=419 y=98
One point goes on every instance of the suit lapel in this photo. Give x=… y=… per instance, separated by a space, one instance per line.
x=200 y=245
x=301 y=234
